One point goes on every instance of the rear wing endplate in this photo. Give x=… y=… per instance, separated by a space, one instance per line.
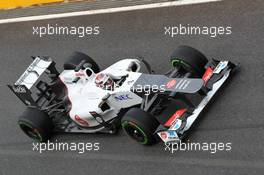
x=24 y=94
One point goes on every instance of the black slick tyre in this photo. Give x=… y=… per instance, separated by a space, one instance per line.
x=36 y=124
x=190 y=59
x=140 y=126
x=76 y=58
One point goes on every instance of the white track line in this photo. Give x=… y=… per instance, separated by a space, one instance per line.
x=101 y=11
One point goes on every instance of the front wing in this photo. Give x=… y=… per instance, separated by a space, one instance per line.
x=179 y=127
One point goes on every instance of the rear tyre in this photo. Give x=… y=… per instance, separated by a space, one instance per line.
x=36 y=124
x=140 y=126
x=76 y=58
x=190 y=59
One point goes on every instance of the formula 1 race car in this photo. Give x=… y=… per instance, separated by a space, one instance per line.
x=83 y=99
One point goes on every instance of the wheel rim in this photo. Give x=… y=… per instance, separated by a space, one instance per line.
x=135 y=132
x=187 y=66
x=176 y=62
x=30 y=131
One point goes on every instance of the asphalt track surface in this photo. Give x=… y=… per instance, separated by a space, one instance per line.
x=235 y=115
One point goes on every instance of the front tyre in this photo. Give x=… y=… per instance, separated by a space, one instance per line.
x=190 y=59
x=140 y=126
x=36 y=124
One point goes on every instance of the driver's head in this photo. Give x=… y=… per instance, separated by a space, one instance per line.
x=104 y=81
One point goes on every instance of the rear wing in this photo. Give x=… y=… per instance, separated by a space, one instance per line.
x=33 y=72
x=22 y=87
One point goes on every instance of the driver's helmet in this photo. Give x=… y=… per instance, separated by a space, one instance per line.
x=104 y=81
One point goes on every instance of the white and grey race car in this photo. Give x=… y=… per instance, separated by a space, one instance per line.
x=148 y=106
